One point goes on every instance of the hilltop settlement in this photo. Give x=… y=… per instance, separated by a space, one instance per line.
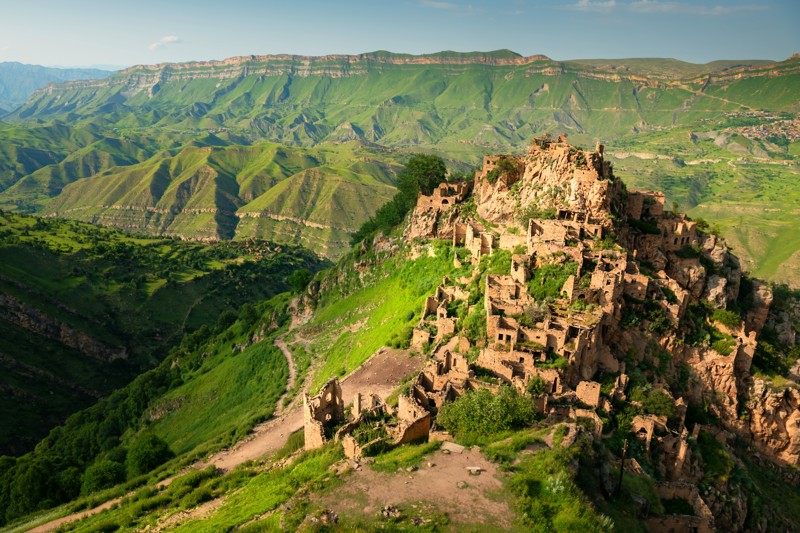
x=610 y=300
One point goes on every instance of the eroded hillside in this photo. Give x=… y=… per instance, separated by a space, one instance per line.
x=709 y=136
x=578 y=333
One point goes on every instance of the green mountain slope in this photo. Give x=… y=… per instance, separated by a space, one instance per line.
x=315 y=196
x=103 y=150
x=83 y=310
x=412 y=100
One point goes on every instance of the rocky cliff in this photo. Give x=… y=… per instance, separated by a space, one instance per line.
x=651 y=317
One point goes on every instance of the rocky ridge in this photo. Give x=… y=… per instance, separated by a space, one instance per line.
x=652 y=309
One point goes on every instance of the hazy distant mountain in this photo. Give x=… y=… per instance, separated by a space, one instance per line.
x=19 y=81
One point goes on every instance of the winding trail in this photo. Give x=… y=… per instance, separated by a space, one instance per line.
x=380 y=375
x=280 y=343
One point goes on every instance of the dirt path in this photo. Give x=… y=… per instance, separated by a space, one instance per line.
x=280 y=343
x=446 y=485
x=379 y=375
x=53 y=524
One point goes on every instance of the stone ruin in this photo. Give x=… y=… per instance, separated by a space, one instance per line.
x=567 y=341
x=324 y=419
x=322 y=413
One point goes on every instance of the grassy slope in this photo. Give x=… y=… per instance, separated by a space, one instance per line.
x=198 y=192
x=355 y=319
x=459 y=111
x=130 y=293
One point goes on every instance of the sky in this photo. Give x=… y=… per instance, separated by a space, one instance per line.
x=130 y=32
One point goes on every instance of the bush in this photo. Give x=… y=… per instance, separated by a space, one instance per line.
x=716 y=462
x=772 y=358
x=536 y=386
x=147 y=453
x=533 y=211
x=548 y=280
x=659 y=403
x=299 y=279
x=728 y=318
x=481 y=413
x=102 y=475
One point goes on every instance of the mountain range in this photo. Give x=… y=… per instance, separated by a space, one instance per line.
x=141 y=149
x=18 y=81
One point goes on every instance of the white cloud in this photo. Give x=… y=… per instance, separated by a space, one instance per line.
x=656 y=6
x=5 y=48
x=593 y=5
x=438 y=5
x=167 y=39
x=659 y=6
x=457 y=9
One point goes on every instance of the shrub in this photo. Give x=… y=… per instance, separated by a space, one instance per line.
x=299 y=279
x=533 y=211
x=147 y=453
x=480 y=413
x=659 y=403
x=728 y=318
x=536 y=386
x=717 y=464
x=102 y=475
x=773 y=358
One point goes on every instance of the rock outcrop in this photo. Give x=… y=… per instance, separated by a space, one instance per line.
x=645 y=291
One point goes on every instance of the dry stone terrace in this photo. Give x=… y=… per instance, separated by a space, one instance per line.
x=568 y=339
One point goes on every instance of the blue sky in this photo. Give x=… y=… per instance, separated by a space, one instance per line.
x=91 y=32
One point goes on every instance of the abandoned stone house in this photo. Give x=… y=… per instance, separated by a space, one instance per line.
x=568 y=340
x=444 y=196
x=322 y=412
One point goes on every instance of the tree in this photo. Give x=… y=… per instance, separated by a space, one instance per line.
x=422 y=173
x=481 y=412
x=102 y=475
x=146 y=454
x=299 y=279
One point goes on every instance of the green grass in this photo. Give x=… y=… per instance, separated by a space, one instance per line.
x=236 y=391
x=350 y=327
x=131 y=295
x=404 y=456
x=265 y=492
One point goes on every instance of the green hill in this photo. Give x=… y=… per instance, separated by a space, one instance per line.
x=83 y=310
x=126 y=150
x=316 y=196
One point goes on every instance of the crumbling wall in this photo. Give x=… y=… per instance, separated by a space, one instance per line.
x=324 y=410
x=414 y=421
x=588 y=392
